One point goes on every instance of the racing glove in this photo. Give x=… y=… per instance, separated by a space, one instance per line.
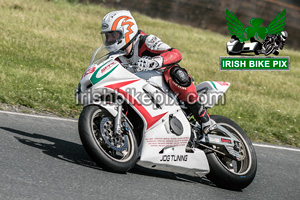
x=147 y=63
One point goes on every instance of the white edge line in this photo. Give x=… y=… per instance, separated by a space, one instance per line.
x=38 y=116
x=275 y=147
x=72 y=120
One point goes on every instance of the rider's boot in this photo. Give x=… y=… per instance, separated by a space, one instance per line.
x=200 y=113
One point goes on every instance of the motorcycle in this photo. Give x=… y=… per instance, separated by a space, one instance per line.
x=271 y=45
x=134 y=118
x=235 y=47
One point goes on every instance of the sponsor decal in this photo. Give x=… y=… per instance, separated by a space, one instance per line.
x=104 y=26
x=226 y=141
x=89 y=71
x=153 y=40
x=184 y=88
x=174 y=158
x=214 y=140
x=106 y=68
x=96 y=78
x=222 y=83
x=167 y=142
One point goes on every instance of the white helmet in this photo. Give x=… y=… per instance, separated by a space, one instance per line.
x=283 y=35
x=118 y=30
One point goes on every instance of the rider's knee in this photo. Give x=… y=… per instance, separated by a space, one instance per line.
x=179 y=75
x=181 y=83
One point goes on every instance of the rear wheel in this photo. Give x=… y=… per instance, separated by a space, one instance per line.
x=226 y=172
x=117 y=153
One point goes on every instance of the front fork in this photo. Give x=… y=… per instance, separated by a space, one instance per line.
x=121 y=122
x=118 y=122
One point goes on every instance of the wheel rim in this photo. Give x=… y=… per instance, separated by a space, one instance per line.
x=119 y=148
x=269 y=49
x=243 y=166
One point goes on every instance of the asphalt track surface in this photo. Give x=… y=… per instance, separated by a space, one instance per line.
x=42 y=158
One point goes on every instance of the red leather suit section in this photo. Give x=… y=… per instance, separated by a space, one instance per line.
x=171 y=57
x=186 y=94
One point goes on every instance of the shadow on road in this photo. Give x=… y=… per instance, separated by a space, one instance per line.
x=169 y=175
x=57 y=148
x=75 y=153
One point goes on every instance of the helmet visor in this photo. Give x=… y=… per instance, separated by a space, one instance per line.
x=112 y=37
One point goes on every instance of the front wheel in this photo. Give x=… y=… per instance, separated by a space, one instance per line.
x=117 y=153
x=269 y=48
x=226 y=172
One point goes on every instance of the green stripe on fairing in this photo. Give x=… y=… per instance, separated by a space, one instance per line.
x=95 y=80
x=105 y=75
x=214 y=85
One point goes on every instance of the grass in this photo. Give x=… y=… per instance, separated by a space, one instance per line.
x=45 y=46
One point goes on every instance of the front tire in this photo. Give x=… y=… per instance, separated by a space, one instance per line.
x=269 y=49
x=111 y=152
x=228 y=173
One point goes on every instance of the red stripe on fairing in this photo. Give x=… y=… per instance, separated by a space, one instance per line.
x=149 y=119
x=121 y=84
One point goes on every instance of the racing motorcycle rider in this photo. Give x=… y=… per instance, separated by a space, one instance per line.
x=147 y=52
x=277 y=40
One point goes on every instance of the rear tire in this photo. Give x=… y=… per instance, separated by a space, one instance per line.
x=231 y=174
x=112 y=153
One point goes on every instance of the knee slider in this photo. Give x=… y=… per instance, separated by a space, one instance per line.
x=180 y=76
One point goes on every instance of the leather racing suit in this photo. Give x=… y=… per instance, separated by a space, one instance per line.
x=178 y=79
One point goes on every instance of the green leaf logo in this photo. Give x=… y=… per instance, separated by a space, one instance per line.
x=235 y=27
x=255 y=29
